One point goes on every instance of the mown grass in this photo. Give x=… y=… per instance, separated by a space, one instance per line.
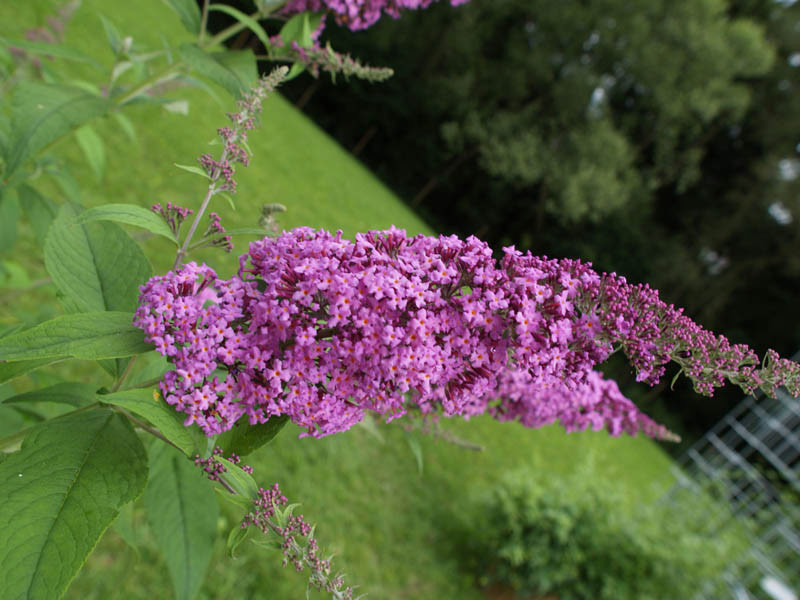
x=398 y=532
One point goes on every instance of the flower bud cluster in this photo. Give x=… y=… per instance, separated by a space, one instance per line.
x=214 y=235
x=358 y=14
x=652 y=333
x=318 y=58
x=292 y=530
x=234 y=138
x=173 y=215
x=322 y=329
x=214 y=468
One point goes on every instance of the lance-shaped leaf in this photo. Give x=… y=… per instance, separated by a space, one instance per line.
x=236 y=536
x=130 y=214
x=182 y=511
x=97 y=265
x=39 y=209
x=9 y=218
x=93 y=149
x=300 y=29
x=11 y=421
x=112 y=35
x=71 y=393
x=124 y=526
x=59 y=494
x=245 y=20
x=88 y=336
x=243 y=484
x=242 y=62
x=148 y=404
x=57 y=50
x=243 y=438
x=207 y=66
x=41 y=113
x=10 y=370
x=189 y=14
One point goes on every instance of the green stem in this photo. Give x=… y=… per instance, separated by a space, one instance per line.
x=144 y=426
x=227 y=487
x=203 y=22
x=148 y=383
x=184 y=249
x=125 y=374
x=150 y=82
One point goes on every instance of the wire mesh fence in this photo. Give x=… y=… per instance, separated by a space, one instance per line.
x=750 y=460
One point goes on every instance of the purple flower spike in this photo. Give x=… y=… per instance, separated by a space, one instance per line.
x=321 y=329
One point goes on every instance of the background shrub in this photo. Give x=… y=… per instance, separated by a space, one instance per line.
x=580 y=537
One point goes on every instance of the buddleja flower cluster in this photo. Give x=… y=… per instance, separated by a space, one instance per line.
x=322 y=329
x=359 y=14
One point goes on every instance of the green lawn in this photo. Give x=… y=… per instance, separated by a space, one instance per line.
x=396 y=531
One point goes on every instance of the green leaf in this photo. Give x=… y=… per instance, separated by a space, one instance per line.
x=182 y=512
x=269 y=544
x=675 y=379
x=67 y=184
x=41 y=113
x=150 y=367
x=236 y=537
x=209 y=67
x=124 y=526
x=297 y=69
x=292 y=30
x=228 y=198
x=56 y=50
x=120 y=69
x=298 y=29
x=60 y=493
x=96 y=265
x=126 y=125
x=9 y=217
x=245 y=20
x=178 y=107
x=149 y=404
x=73 y=394
x=416 y=450
x=87 y=336
x=40 y=210
x=243 y=438
x=193 y=169
x=12 y=329
x=241 y=62
x=265 y=7
x=189 y=13
x=310 y=24
x=10 y=370
x=10 y=421
x=93 y=149
x=112 y=35
x=242 y=483
x=28 y=414
x=129 y=214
